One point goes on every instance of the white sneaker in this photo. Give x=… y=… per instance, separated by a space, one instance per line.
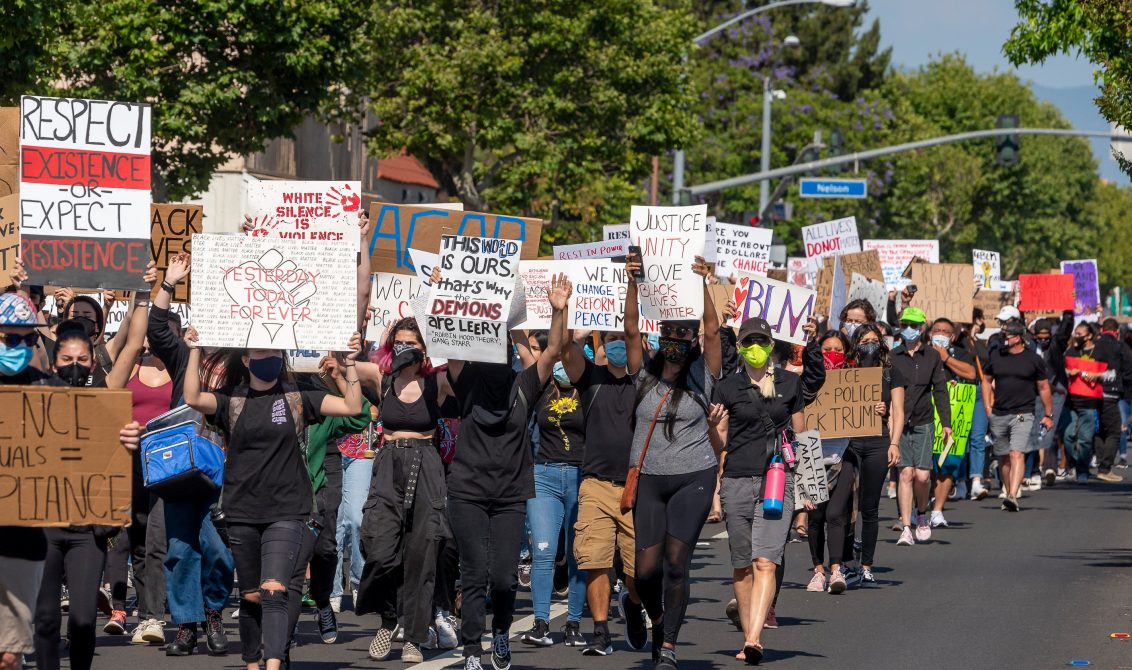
x=1035 y=482
x=937 y=520
x=906 y=539
x=892 y=493
x=445 y=633
x=430 y=643
x=1002 y=494
x=923 y=528
x=150 y=631
x=978 y=492
x=336 y=604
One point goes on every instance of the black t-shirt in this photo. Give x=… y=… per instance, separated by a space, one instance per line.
x=924 y=383
x=754 y=420
x=963 y=356
x=29 y=544
x=1016 y=378
x=561 y=427
x=608 y=403
x=265 y=476
x=493 y=448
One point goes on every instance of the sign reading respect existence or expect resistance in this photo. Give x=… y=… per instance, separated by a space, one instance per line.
x=61 y=462
x=670 y=238
x=85 y=192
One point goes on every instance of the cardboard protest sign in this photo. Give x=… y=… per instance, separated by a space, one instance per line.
x=598 y=301
x=9 y=137
x=991 y=302
x=741 y=249
x=1079 y=387
x=944 y=290
x=305 y=210
x=831 y=238
x=896 y=254
x=1054 y=293
x=273 y=293
x=62 y=461
x=395 y=229
x=871 y=291
x=864 y=263
x=670 y=238
x=962 y=400
x=305 y=360
x=845 y=405
x=988 y=268
x=589 y=250
x=391 y=296
x=171 y=230
x=785 y=307
x=1085 y=284
x=85 y=192
x=536 y=276
x=614 y=233
x=809 y=474
x=9 y=231
x=469 y=307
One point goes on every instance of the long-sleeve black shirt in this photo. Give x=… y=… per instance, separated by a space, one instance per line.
x=170 y=350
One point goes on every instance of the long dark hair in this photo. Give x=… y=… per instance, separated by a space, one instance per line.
x=224 y=368
x=680 y=386
x=77 y=336
x=882 y=353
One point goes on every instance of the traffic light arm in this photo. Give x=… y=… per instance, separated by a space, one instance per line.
x=712 y=187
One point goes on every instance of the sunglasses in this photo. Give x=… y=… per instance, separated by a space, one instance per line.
x=678 y=331
x=12 y=340
x=760 y=340
x=910 y=324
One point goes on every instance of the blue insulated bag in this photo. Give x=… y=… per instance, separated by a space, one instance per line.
x=180 y=456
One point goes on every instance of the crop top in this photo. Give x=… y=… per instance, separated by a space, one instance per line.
x=419 y=416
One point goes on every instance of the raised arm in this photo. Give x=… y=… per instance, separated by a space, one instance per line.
x=202 y=401
x=559 y=297
x=363 y=269
x=522 y=342
x=634 y=348
x=713 y=355
x=135 y=340
x=574 y=358
x=350 y=403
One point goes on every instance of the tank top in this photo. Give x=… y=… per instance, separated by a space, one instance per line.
x=419 y=416
x=149 y=401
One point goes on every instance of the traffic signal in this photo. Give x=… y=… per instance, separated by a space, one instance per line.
x=1006 y=146
x=836 y=147
x=751 y=219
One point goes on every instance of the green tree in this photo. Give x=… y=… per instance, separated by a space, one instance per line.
x=223 y=76
x=1099 y=30
x=535 y=107
x=1110 y=212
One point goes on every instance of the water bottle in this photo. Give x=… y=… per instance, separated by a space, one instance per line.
x=774 y=489
x=788 y=452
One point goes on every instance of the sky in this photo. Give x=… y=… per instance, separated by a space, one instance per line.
x=919 y=29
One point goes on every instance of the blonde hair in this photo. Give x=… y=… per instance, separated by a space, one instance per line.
x=766 y=384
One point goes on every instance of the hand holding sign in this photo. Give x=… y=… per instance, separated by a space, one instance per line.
x=271 y=292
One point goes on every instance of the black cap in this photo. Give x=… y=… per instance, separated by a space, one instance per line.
x=80 y=324
x=754 y=326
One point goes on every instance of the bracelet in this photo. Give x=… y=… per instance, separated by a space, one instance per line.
x=168 y=287
x=143 y=302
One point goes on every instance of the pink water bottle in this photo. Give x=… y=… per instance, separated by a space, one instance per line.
x=774 y=489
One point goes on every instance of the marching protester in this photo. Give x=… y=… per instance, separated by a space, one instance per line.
x=977 y=439
x=958 y=368
x=1051 y=348
x=1082 y=405
x=1113 y=382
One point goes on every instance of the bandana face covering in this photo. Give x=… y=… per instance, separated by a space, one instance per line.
x=834 y=360
x=408 y=355
x=674 y=350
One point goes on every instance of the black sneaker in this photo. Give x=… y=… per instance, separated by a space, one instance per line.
x=561 y=579
x=538 y=635
x=327 y=625
x=657 y=641
x=501 y=651
x=185 y=643
x=636 y=629
x=601 y=645
x=667 y=660
x=214 y=633
x=574 y=637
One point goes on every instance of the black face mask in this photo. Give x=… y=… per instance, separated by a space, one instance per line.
x=406 y=357
x=74 y=374
x=868 y=354
x=1080 y=341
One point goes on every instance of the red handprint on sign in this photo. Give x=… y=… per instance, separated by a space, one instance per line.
x=273 y=294
x=345 y=198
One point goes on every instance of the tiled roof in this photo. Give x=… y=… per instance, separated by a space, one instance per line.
x=405 y=169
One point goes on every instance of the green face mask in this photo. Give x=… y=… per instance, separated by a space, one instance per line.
x=756 y=354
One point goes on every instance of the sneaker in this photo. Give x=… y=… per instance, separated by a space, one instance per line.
x=327 y=625
x=898 y=525
x=445 y=633
x=538 y=635
x=601 y=645
x=732 y=613
x=148 y=632
x=308 y=601
x=1109 y=477
x=1093 y=462
x=666 y=660
x=771 y=619
x=818 y=583
x=1010 y=504
x=411 y=654
x=1049 y=477
x=1122 y=463
x=117 y=623
x=104 y=605
x=185 y=644
x=923 y=527
x=837 y=583
x=960 y=492
x=472 y=663
x=214 y=632
x=381 y=644
x=354 y=599
x=978 y=492
x=892 y=493
x=430 y=643
x=1002 y=493
x=573 y=634
x=525 y=574
x=399 y=634
x=937 y=520
x=1083 y=478
x=336 y=604
x=636 y=623
x=852 y=576
x=905 y=538
x=868 y=581
x=501 y=651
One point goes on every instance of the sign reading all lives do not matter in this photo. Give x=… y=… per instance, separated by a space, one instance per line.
x=670 y=238
x=85 y=192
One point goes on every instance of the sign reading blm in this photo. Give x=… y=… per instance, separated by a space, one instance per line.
x=85 y=192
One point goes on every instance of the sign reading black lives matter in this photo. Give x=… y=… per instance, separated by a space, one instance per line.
x=85 y=192
x=469 y=306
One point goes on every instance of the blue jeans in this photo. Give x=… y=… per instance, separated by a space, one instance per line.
x=355 y=489
x=977 y=440
x=554 y=506
x=1079 y=439
x=1125 y=412
x=198 y=567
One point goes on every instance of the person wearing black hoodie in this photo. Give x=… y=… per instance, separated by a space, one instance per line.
x=1120 y=365
x=1051 y=341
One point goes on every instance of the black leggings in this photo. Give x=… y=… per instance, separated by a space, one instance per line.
x=829 y=523
x=869 y=456
x=324 y=558
x=80 y=555
x=670 y=513
x=265 y=552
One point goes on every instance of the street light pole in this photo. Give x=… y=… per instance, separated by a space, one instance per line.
x=764 y=154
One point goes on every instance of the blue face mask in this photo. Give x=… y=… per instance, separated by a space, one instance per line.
x=560 y=375
x=654 y=342
x=14 y=360
x=616 y=353
x=910 y=334
x=268 y=369
x=849 y=328
x=941 y=341
x=588 y=351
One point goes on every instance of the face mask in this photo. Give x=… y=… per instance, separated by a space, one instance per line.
x=849 y=328
x=14 y=360
x=1080 y=341
x=910 y=334
x=400 y=348
x=267 y=369
x=560 y=375
x=834 y=360
x=588 y=351
x=867 y=354
x=756 y=354
x=674 y=350
x=74 y=374
x=1043 y=344
x=408 y=355
x=654 y=342
x=616 y=353
x=941 y=341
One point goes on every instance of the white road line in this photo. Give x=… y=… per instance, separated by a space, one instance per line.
x=719 y=536
x=456 y=656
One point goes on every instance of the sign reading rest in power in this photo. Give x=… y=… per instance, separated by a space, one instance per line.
x=85 y=191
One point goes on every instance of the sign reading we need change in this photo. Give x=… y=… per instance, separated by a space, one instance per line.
x=670 y=238
x=85 y=192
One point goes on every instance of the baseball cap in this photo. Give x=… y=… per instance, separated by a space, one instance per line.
x=1008 y=312
x=16 y=310
x=913 y=315
x=754 y=326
